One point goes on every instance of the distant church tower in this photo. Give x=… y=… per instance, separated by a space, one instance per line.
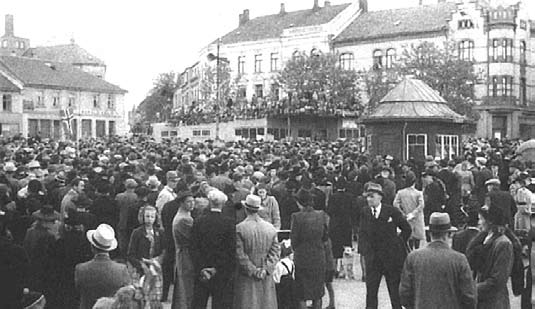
x=11 y=45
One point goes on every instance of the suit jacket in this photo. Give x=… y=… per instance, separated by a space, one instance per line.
x=506 y=202
x=214 y=243
x=380 y=239
x=14 y=267
x=100 y=277
x=308 y=236
x=410 y=200
x=462 y=238
x=437 y=277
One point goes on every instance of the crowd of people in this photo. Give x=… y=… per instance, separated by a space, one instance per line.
x=259 y=108
x=126 y=222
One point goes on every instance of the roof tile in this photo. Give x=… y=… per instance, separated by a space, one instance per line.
x=69 y=53
x=272 y=26
x=35 y=72
x=391 y=23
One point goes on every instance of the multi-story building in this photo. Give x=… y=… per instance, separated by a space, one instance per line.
x=499 y=39
x=34 y=93
x=38 y=83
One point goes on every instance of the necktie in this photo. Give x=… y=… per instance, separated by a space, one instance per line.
x=374 y=211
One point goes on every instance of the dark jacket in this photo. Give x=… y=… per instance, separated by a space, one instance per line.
x=462 y=238
x=14 y=267
x=100 y=277
x=506 y=202
x=213 y=238
x=309 y=233
x=340 y=211
x=380 y=238
x=169 y=211
x=139 y=246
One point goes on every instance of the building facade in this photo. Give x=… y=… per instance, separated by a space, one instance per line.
x=35 y=95
x=498 y=38
x=11 y=45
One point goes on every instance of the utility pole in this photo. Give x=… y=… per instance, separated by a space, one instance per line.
x=217 y=93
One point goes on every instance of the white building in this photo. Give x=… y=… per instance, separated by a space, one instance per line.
x=34 y=92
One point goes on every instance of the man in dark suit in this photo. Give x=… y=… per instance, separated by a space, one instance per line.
x=213 y=252
x=503 y=199
x=437 y=276
x=100 y=277
x=385 y=250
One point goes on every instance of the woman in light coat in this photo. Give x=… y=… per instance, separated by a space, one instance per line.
x=411 y=203
x=270 y=207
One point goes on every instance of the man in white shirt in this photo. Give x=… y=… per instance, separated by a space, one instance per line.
x=168 y=192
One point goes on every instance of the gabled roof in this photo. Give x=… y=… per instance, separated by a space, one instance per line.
x=396 y=22
x=412 y=99
x=7 y=86
x=272 y=26
x=69 y=53
x=37 y=73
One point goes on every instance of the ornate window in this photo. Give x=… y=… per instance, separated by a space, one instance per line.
x=465 y=24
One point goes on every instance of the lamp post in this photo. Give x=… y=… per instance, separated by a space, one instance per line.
x=218 y=59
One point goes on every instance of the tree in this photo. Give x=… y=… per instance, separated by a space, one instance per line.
x=440 y=68
x=319 y=79
x=158 y=104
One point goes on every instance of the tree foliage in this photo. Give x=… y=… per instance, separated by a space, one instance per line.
x=159 y=102
x=439 y=67
x=320 y=78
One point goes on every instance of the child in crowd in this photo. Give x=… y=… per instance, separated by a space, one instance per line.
x=284 y=277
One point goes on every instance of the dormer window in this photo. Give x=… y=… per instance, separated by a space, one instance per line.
x=465 y=24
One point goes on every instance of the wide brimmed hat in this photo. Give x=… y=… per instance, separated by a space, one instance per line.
x=493 y=181
x=102 y=238
x=252 y=202
x=9 y=167
x=153 y=181
x=440 y=222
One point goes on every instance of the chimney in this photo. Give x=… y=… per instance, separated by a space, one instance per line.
x=363 y=4
x=283 y=9
x=327 y=3
x=9 y=25
x=316 y=5
x=245 y=16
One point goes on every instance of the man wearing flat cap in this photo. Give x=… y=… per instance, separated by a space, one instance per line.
x=437 y=276
x=384 y=249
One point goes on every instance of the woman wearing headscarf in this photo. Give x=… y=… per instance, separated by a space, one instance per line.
x=491 y=257
x=184 y=269
x=308 y=235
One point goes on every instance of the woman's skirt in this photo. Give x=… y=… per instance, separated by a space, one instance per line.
x=309 y=283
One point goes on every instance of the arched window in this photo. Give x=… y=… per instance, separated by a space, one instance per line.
x=346 y=61
x=377 y=59
x=390 y=58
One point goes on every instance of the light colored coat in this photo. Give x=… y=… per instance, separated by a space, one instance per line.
x=257 y=247
x=270 y=212
x=438 y=277
x=411 y=201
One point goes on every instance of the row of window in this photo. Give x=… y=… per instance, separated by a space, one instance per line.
x=446 y=146
x=7 y=100
x=352 y=133
x=18 y=44
x=274 y=61
x=501 y=50
x=251 y=133
x=502 y=86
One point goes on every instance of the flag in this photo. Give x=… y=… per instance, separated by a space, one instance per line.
x=67 y=116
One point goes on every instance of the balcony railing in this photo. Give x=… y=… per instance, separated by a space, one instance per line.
x=501 y=101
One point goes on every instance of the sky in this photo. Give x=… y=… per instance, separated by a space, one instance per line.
x=138 y=39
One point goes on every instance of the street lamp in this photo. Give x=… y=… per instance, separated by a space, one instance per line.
x=211 y=57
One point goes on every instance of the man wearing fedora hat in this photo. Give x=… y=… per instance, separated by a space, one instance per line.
x=100 y=277
x=257 y=253
x=384 y=250
x=437 y=276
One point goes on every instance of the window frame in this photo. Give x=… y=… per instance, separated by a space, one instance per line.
x=346 y=61
x=390 y=58
x=7 y=102
x=258 y=63
x=274 y=62
x=466 y=50
x=258 y=87
x=377 y=57
x=416 y=135
x=241 y=65
x=452 y=144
